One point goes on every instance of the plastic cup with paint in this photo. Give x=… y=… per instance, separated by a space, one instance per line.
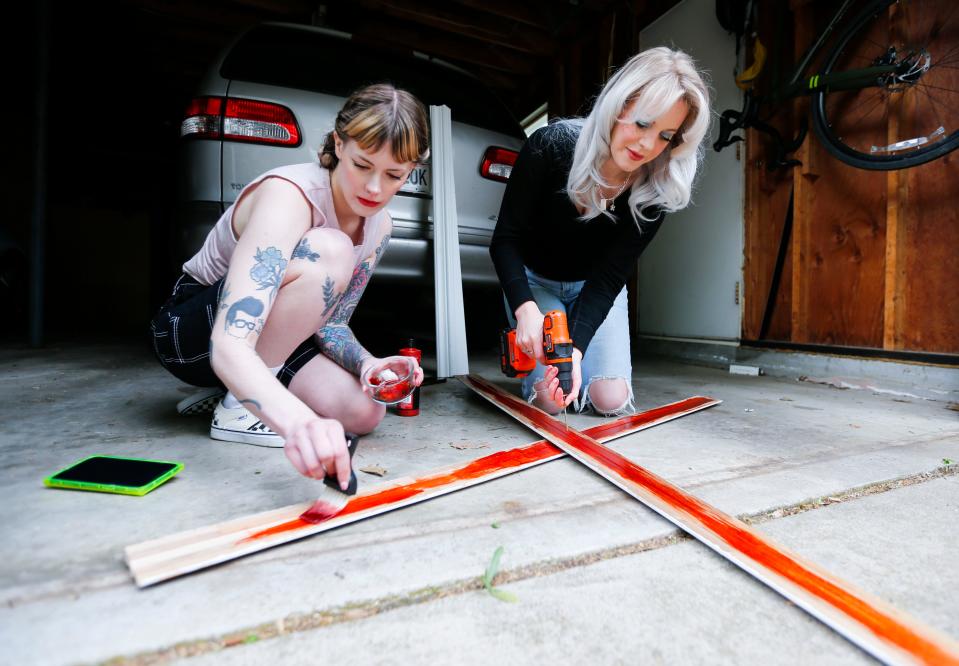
x=391 y=382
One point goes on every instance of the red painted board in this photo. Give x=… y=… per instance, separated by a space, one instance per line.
x=161 y=559
x=496 y=463
x=868 y=621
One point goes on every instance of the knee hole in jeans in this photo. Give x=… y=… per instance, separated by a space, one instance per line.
x=609 y=396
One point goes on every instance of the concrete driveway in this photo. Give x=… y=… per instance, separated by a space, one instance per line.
x=858 y=481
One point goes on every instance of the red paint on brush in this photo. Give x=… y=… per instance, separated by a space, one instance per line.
x=320 y=512
x=737 y=534
x=534 y=452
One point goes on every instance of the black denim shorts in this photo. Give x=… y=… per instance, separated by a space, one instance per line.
x=181 y=335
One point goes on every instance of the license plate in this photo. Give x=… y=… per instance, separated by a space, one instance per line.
x=419 y=181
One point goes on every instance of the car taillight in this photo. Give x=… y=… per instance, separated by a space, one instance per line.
x=240 y=120
x=498 y=163
x=203 y=118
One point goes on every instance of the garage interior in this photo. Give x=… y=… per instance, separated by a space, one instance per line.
x=845 y=448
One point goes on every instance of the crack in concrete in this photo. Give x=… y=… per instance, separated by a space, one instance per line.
x=316 y=619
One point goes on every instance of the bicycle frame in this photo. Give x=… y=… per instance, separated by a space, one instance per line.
x=732 y=120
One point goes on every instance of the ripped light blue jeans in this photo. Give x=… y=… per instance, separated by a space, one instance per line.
x=607 y=356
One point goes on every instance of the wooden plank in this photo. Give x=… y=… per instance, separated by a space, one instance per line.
x=803 y=180
x=767 y=198
x=469 y=23
x=928 y=310
x=871 y=623
x=894 y=277
x=843 y=229
x=160 y=559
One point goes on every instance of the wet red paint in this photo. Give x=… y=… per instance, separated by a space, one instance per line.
x=320 y=512
x=535 y=452
x=735 y=533
x=392 y=391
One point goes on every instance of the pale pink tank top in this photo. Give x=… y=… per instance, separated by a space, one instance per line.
x=212 y=261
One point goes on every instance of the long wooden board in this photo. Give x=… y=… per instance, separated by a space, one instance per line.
x=871 y=623
x=160 y=559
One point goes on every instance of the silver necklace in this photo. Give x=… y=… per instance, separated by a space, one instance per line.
x=612 y=201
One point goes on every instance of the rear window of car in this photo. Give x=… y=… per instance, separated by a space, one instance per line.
x=292 y=58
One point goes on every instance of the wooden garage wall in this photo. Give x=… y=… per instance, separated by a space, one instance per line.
x=874 y=256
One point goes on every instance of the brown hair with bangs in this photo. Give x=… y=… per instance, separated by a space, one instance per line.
x=377 y=114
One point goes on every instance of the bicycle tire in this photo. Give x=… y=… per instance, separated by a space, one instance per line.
x=833 y=142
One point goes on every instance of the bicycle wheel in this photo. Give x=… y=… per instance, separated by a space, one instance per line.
x=910 y=116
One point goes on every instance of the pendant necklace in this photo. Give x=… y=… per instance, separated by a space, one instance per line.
x=612 y=201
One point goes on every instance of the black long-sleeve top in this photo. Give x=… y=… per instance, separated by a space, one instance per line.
x=538 y=228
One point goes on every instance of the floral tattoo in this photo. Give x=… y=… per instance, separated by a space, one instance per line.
x=304 y=251
x=268 y=270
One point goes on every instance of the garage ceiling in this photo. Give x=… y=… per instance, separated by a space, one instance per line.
x=120 y=72
x=512 y=46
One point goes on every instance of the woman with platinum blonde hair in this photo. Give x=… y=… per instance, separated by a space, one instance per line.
x=585 y=198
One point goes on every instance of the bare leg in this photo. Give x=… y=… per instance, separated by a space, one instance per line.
x=316 y=278
x=332 y=392
x=608 y=395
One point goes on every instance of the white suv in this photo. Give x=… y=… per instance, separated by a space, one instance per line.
x=273 y=95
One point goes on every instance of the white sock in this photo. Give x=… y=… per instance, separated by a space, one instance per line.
x=230 y=401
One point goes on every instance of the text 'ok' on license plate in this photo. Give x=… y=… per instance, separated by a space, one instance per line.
x=419 y=181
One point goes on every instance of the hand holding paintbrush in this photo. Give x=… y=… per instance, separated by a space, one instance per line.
x=333 y=498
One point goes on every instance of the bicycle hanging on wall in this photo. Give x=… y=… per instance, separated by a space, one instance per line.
x=886 y=95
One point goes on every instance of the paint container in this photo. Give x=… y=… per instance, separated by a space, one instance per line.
x=411 y=405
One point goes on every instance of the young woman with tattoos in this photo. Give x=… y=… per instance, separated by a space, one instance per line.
x=264 y=307
x=585 y=198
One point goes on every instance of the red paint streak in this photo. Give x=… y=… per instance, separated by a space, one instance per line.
x=288 y=526
x=735 y=533
x=480 y=467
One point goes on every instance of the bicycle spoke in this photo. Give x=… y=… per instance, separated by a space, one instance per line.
x=948 y=58
x=882 y=48
x=868 y=111
x=926 y=87
x=935 y=102
x=841 y=126
x=935 y=107
x=929 y=85
x=954 y=51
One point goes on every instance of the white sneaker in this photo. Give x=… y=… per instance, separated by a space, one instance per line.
x=241 y=425
x=201 y=402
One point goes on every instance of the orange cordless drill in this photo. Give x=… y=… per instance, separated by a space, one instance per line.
x=557 y=346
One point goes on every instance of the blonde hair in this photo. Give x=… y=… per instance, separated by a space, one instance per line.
x=656 y=79
x=375 y=115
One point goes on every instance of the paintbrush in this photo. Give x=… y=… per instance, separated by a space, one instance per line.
x=333 y=499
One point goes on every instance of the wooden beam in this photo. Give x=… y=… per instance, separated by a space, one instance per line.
x=868 y=621
x=521 y=12
x=455 y=49
x=894 y=295
x=803 y=180
x=473 y=24
x=161 y=559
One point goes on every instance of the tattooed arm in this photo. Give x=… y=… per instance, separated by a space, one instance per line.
x=335 y=338
x=270 y=222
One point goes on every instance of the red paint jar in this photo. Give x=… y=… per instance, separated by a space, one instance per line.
x=410 y=406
